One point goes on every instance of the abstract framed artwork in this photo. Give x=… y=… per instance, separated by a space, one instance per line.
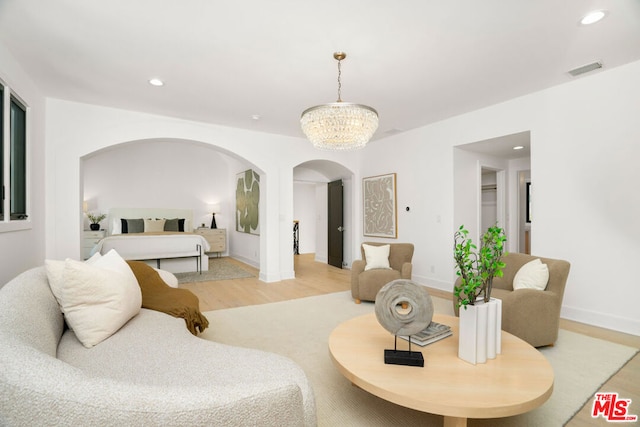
x=248 y=202
x=380 y=207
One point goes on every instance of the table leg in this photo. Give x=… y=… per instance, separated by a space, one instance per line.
x=455 y=422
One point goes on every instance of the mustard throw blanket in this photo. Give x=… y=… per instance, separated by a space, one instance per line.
x=157 y=295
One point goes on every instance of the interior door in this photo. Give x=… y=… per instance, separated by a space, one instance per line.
x=335 y=228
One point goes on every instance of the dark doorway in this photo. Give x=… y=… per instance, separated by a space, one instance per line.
x=335 y=229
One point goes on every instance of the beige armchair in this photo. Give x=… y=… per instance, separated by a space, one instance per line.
x=366 y=284
x=530 y=314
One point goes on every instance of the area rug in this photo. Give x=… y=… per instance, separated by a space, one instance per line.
x=219 y=269
x=300 y=330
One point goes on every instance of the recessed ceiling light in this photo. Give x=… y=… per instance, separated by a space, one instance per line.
x=593 y=17
x=156 y=82
x=518 y=147
x=256 y=117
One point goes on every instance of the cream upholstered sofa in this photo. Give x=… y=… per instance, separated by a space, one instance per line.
x=150 y=372
x=530 y=314
x=365 y=284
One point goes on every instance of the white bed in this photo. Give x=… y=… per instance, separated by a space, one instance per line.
x=172 y=251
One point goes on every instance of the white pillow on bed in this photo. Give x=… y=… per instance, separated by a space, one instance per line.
x=116 y=226
x=154 y=225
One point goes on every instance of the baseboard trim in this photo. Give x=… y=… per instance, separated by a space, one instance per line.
x=435 y=284
x=602 y=320
x=249 y=261
x=322 y=259
x=444 y=289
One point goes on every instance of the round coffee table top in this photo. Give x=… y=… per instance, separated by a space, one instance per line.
x=516 y=381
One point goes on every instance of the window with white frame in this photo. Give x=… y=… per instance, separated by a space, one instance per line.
x=13 y=157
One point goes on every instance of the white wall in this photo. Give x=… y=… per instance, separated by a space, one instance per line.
x=304 y=211
x=23 y=247
x=584 y=139
x=77 y=130
x=242 y=246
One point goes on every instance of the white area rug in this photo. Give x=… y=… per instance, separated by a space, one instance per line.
x=300 y=330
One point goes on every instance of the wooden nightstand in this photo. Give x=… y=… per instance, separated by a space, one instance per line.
x=217 y=238
x=89 y=240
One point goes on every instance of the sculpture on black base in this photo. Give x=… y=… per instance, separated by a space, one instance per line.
x=403 y=357
x=403 y=308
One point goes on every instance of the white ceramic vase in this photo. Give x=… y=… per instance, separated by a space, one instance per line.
x=479 y=332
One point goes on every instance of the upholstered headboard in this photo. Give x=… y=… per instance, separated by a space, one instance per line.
x=115 y=214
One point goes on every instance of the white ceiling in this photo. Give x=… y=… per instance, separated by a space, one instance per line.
x=415 y=61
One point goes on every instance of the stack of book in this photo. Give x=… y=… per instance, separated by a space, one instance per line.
x=432 y=333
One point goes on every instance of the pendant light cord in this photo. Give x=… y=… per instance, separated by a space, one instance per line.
x=339 y=82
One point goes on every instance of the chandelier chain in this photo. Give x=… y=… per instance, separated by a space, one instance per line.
x=339 y=82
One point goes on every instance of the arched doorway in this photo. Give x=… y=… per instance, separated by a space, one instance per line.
x=170 y=173
x=310 y=180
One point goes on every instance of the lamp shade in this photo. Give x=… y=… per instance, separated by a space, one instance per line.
x=214 y=208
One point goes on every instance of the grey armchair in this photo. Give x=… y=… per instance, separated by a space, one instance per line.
x=530 y=314
x=366 y=284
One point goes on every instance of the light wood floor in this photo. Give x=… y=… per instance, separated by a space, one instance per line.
x=314 y=278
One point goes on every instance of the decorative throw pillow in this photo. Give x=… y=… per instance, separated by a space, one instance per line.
x=154 y=225
x=95 y=257
x=55 y=274
x=97 y=298
x=532 y=275
x=376 y=256
x=132 y=225
x=172 y=224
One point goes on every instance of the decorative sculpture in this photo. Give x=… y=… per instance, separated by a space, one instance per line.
x=403 y=307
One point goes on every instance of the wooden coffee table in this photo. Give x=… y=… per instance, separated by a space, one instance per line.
x=516 y=381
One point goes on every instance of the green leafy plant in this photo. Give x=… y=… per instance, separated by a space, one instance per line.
x=96 y=218
x=477 y=268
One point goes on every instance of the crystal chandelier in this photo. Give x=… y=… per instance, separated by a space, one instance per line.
x=339 y=125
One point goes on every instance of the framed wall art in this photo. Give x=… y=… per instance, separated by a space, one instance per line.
x=380 y=207
x=248 y=202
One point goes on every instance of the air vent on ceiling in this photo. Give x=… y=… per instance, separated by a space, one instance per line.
x=393 y=131
x=586 y=68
